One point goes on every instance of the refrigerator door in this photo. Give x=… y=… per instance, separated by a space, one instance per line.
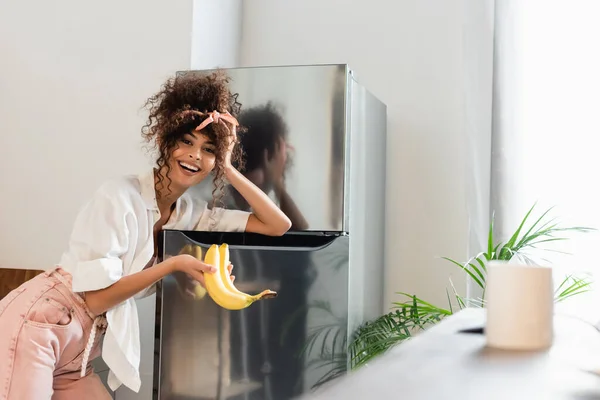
x=307 y=107
x=275 y=349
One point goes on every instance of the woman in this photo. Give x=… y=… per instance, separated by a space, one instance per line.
x=51 y=325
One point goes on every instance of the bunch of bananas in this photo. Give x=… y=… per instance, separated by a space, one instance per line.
x=219 y=285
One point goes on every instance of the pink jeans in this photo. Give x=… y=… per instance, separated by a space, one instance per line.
x=44 y=328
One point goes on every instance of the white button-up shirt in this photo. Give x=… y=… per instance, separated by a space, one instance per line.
x=113 y=237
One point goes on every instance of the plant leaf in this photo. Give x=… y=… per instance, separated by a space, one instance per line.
x=459 y=299
x=491 y=251
x=481 y=285
x=449 y=302
x=520 y=244
x=578 y=286
x=481 y=263
x=478 y=272
x=513 y=239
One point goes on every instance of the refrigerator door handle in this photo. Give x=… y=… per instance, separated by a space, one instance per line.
x=244 y=241
x=274 y=248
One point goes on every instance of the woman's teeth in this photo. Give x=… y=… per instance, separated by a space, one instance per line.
x=189 y=167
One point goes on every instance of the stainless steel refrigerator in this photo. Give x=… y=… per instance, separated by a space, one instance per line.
x=327 y=270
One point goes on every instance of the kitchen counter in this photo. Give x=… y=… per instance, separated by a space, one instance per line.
x=444 y=363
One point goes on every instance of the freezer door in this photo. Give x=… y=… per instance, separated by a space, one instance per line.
x=306 y=107
x=276 y=349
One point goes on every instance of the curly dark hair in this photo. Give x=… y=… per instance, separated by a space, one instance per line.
x=264 y=125
x=168 y=122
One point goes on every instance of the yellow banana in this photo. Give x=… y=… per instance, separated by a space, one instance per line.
x=219 y=285
x=225 y=276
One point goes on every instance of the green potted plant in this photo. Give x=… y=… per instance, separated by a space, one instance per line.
x=414 y=314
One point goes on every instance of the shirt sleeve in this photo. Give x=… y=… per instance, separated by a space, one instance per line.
x=98 y=241
x=223 y=220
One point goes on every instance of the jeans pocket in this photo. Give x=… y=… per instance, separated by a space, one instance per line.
x=50 y=310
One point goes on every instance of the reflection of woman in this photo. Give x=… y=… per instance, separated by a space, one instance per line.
x=266 y=159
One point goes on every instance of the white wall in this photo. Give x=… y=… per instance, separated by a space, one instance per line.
x=73 y=78
x=412 y=55
x=216 y=31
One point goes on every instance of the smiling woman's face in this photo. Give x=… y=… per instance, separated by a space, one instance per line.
x=192 y=160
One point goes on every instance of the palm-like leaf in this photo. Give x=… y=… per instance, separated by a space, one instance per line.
x=376 y=337
x=571 y=286
x=475 y=268
x=539 y=232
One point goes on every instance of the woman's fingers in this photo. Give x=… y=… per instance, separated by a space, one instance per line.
x=198 y=269
x=207 y=268
x=198 y=276
x=230 y=268
x=199 y=266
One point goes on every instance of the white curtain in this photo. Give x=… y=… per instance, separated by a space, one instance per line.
x=546 y=126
